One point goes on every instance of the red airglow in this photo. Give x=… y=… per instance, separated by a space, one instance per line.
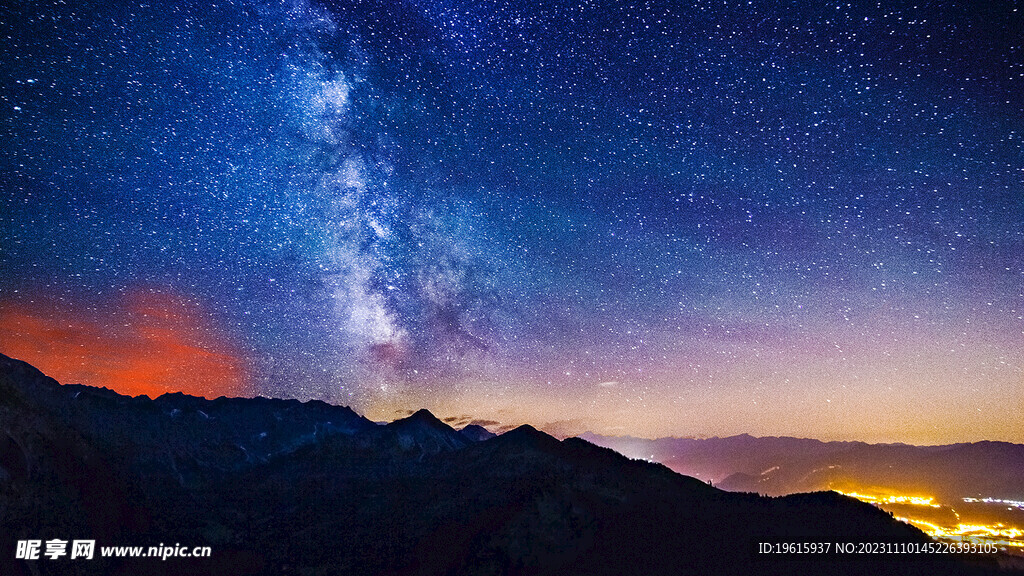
x=148 y=343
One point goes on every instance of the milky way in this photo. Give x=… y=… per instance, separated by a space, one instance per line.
x=648 y=218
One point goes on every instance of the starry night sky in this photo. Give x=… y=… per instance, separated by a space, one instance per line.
x=648 y=218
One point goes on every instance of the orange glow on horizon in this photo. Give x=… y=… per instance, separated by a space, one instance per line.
x=148 y=343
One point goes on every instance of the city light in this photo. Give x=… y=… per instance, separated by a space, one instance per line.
x=999 y=533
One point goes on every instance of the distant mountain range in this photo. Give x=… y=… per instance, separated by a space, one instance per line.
x=286 y=487
x=776 y=466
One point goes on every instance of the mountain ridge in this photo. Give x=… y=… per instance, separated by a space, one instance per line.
x=278 y=487
x=777 y=465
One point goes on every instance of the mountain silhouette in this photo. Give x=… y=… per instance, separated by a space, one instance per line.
x=288 y=487
x=777 y=466
x=426 y=434
x=477 y=433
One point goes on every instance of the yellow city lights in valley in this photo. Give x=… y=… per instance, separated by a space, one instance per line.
x=997 y=533
x=893 y=499
x=859 y=496
x=915 y=500
x=994 y=530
